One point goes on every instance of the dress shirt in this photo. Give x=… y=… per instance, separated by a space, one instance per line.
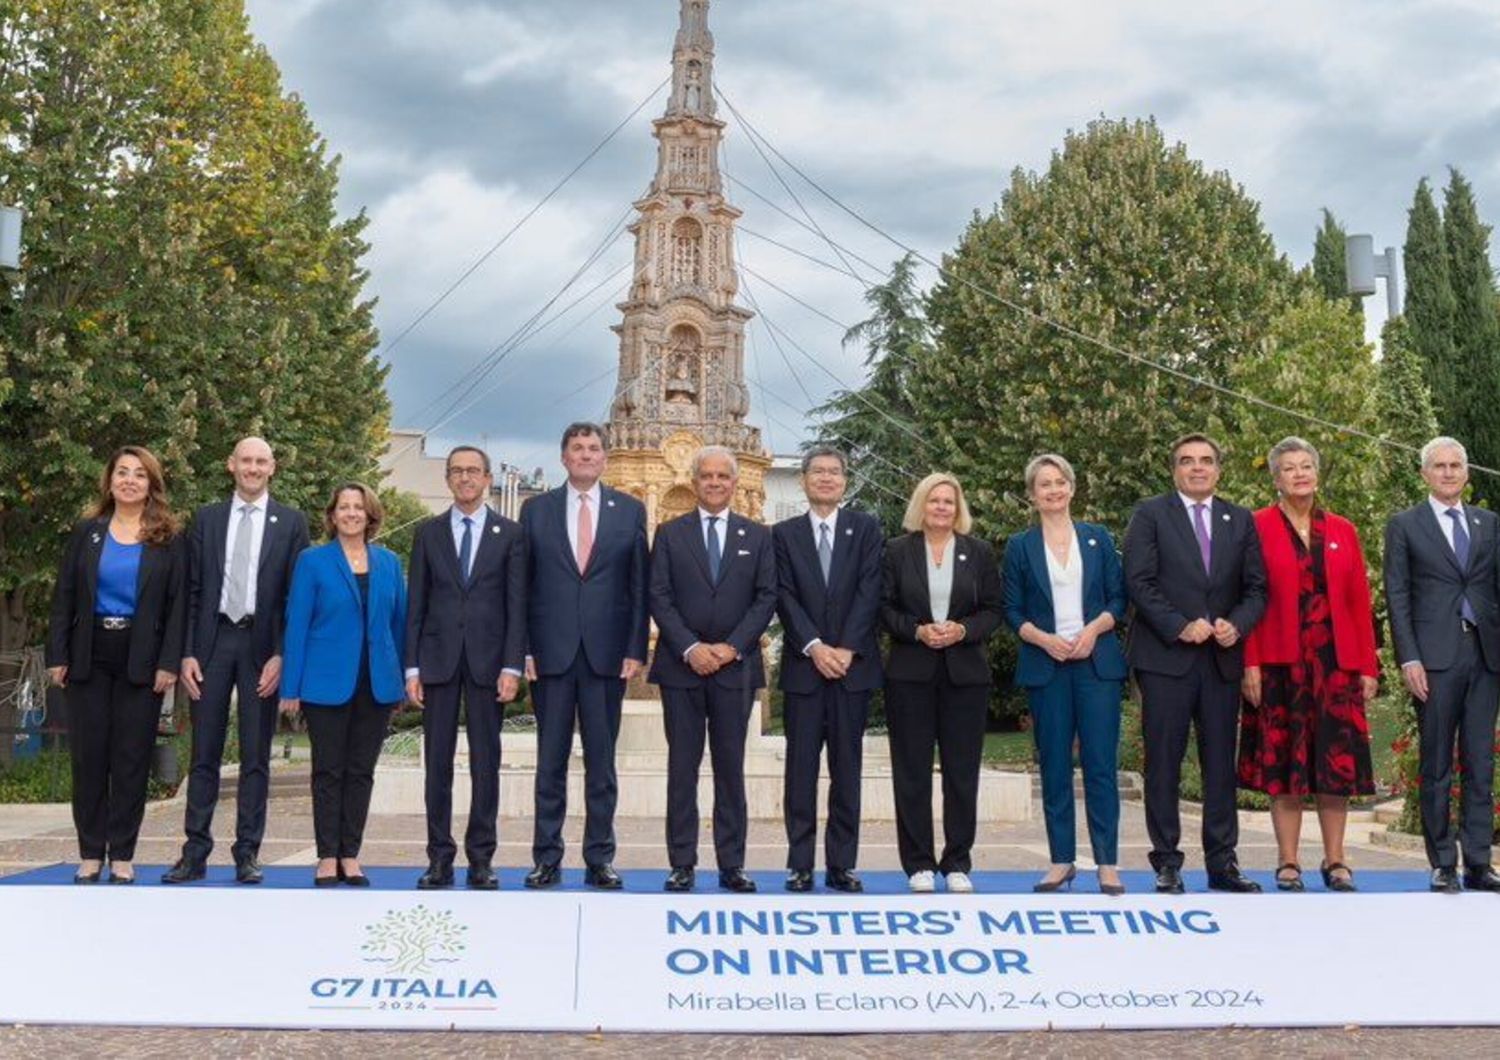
x=704 y=515
x=939 y=580
x=593 y=493
x=1440 y=512
x=456 y=517
x=1067 y=589
x=257 y=535
x=818 y=522
x=1208 y=513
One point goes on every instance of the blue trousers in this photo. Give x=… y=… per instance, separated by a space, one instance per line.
x=1076 y=704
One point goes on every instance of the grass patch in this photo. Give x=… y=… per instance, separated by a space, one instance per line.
x=1012 y=749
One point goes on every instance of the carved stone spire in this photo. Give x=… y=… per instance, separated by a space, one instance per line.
x=693 y=64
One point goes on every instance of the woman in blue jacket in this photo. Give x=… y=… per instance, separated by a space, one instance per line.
x=1064 y=593
x=345 y=620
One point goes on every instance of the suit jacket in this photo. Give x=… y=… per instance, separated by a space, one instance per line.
x=1277 y=638
x=906 y=604
x=160 y=607
x=481 y=620
x=1169 y=587
x=845 y=613
x=1028 y=598
x=1424 y=587
x=690 y=607
x=601 y=610
x=325 y=629
x=284 y=539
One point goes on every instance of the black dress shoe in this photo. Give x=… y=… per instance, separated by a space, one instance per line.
x=543 y=876
x=437 y=877
x=603 y=878
x=184 y=871
x=798 y=881
x=1444 y=881
x=248 y=870
x=354 y=879
x=1483 y=878
x=123 y=881
x=1231 y=879
x=681 y=879
x=1169 y=880
x=326 y=881
x=482 y=878
x=843 y=880
x=735 y=880
x=87 y=877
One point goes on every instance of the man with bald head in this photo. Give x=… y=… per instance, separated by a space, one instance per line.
x=240 y=557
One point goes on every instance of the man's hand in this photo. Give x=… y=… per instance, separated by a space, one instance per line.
x=1196 y=632
x=703 y=660
x=724 y=653
x=630 y=669
x=192 y=678
x=414 y=690
x=165 y=679
x=1416 y=680
x=289 y=706
x=1369 y=687
x=1250 y=685
x=507 y=688
x=1083 y=644
x=846 y=657
x=530 y=668
x=827 y=661
x=59 y=675
x=270 y=677
x=1225 y=633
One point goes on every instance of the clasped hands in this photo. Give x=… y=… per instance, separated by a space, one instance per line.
x=708 y=659
x=833 y=663
x=1069 y=649
x=939 y=635
x=1200 y=630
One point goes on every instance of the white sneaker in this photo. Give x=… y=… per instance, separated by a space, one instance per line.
x=923 y=882
x=959 y=883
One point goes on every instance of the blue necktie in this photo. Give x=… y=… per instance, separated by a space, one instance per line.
x=825 y=551
x=715 y=553
x=466 y=548
x=1461 y=549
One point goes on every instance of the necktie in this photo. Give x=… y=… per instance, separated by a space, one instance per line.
x=715 y=554
x=1461 y=549
x=585 y=533
x=466 y=548
x=1200 y=528
x=825 y=551
x=237 y=605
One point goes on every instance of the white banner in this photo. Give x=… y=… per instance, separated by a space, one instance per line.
x=634 y=962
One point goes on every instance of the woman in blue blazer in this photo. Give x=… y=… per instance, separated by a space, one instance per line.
x=345 y=623
x=1064 y=593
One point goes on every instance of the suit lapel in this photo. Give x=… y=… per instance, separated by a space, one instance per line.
x=345 y=571
x=145 y=571
x=916 y=561
x=1088 y=550
x=217 y=537
x=442 y=528
x=1177 y=516
x=805 y=544
x=95 y=546
x=1479 y=535
x=486 y=522
x=268 y=535
x=560 y=519
x=1427 y=520
x=1035 y=545
x=1218 y=535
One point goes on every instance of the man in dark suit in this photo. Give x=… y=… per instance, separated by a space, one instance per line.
x=1440 y=584
x=465 y=643
x=828 y=573
x=713 y=591
x=1198 y=585
x=241 y=553
x=586 y=551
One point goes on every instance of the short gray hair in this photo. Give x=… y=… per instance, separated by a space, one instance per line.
x=716 y=450
x=1442 y=441
x=1292 y=444
x=824 y=450
x=1035 y=464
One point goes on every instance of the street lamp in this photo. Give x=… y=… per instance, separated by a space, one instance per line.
x=1362 y=268
x=10 y=237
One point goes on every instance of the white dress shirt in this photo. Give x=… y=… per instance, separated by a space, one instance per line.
x=1067 y=589
x=1440 y=513
x=818 y=522
x=257 y=535
x=574 y=505
x=940 y=580
x=1208 y=513
x=456 y=517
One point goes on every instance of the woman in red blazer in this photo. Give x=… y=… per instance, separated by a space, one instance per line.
x=1310 y=667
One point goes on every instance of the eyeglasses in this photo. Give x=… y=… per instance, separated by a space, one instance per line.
x=466 y=472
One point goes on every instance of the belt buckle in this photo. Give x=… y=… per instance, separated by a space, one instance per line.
x=115 y=622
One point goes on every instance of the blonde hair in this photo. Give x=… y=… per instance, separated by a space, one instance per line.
x=912 y=520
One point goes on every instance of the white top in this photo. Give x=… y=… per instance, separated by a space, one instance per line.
x=1208 y=512
x=456 y=517
x=257 y=535
x=1067 y=589
x=593 y=493
x=940 y=580
x=1440 y=512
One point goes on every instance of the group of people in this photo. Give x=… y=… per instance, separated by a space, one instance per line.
x=1253 y=629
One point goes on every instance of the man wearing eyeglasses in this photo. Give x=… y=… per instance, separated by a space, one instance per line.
x=465 y=644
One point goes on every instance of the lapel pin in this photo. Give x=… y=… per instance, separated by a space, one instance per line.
x=962 y=558
x=609 y=504
x=1333 y=545
x=1226 y=517
x=741 y=531
x=744 y=552
x=94 y=537
x=848 y=531
x=1092 y=543
x=494 y=529
x=1476 y=520
x=272 y=518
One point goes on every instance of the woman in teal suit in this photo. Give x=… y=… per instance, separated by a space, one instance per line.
x=1064 y=593
x=345 y=623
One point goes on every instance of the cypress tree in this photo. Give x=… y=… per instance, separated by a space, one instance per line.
x=1429 y=304
x=1328 y=262
x=1476 y=329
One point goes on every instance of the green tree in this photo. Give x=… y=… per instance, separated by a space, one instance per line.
x=1404 y=412
x=186 y=279
x=1328 y=260
x=1476 y=331
x=876 y=424
x=1430 y=305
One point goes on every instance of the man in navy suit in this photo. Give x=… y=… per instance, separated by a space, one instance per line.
x=828 y=572
x=713 y=592
x=241 y=553
x=1198 y=584
x=586 y=551
x=465 y=643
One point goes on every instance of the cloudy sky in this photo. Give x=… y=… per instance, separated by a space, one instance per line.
x=454 y=117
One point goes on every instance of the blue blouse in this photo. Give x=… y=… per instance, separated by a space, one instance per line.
x=119 y=567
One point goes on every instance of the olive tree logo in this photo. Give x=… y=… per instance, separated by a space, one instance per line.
x=412 y=941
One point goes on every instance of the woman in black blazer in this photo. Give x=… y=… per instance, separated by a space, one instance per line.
x=114 y=642
x=941 y=604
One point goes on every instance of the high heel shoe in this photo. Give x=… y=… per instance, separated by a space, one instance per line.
x=1114 y=890
x=88 y=877
x=1343 y=884
x=1294 y=881
x=1048 y=886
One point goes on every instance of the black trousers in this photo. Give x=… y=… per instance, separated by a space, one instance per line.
x=1203 y=699
x=345 y=745
x=230 y=670
x=834 y=718
x=482 y=718
x=918 y=716
x=577 y=697
x=725 y=715
x=111 y=730
x=1461 y=701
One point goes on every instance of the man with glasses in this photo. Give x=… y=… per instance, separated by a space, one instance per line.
x=465 y=646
